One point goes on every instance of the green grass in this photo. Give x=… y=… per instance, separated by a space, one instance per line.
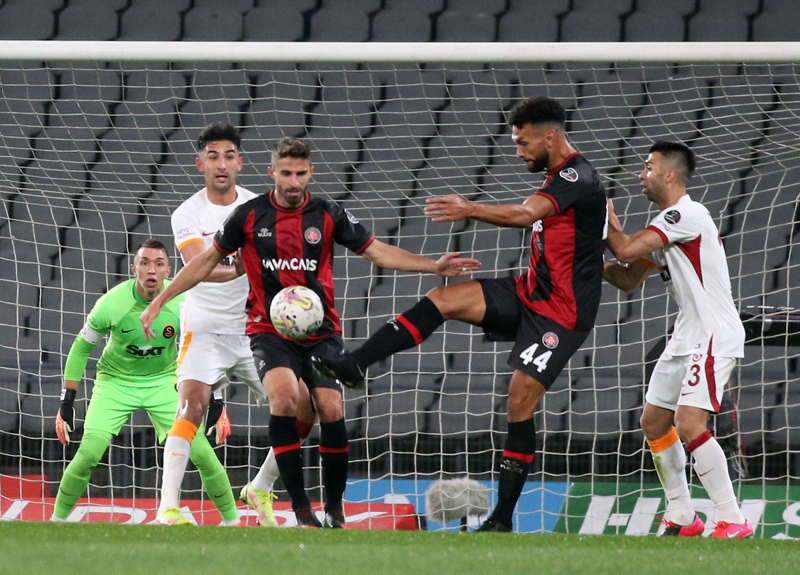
x=108 y=548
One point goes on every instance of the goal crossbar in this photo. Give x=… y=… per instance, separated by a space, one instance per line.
x=687 y=52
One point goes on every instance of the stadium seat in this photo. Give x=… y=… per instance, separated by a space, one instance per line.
x=212 y=23
x=738 y=7
x=151 y=21
x=715 y=27
x=776 y=26
x=488 y=6
x=25 y=21
x=264 y=24
x=72 y=22
x=421 y=6
x=656 y=25
x=354 y=6
x=595 y=25
x=240 y=6
x=527 y=26
x=401 y=25
x=9 y=401
x=115 y=5
x=465 y=26
x=40 y=406
x=334 y=25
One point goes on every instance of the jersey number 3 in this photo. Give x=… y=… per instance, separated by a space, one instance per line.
x=540 y=361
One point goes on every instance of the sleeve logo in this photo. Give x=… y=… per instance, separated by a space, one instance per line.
x=672 y=217
x=570 y=174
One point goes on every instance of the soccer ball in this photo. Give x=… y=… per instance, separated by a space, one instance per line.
x=296 y=312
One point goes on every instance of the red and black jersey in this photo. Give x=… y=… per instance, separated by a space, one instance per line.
x=285 y=247
x=565 y=272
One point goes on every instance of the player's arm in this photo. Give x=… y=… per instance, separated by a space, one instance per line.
x=454 y=208
x=192 y=274
x=629 y=249
x=77 y=359
x=220 y=273
x=392 y=257
x=627 y=277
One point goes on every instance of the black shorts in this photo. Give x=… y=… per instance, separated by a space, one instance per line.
x=271 y=350
x=542 y=347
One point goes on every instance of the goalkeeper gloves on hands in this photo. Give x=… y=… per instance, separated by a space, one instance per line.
x=217 y=421
x=65 y=420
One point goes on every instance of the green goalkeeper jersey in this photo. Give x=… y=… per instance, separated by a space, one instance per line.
x=127 y=358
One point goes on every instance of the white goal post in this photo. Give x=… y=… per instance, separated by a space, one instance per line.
x=97 y=149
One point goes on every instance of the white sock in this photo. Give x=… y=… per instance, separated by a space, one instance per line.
x=670 y=465
x=711 y=467
x=176 y=456
x=268 y=474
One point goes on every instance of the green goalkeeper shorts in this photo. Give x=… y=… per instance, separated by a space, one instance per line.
x=113 y=403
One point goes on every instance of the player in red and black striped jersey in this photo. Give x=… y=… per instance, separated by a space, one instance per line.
x=284 y=246
x=548 y=311
x=286 y=238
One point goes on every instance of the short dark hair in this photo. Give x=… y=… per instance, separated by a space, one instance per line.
x=154 y=244
x=290 y=148
x=217 y=132
x=540 y=110
x=677 y=151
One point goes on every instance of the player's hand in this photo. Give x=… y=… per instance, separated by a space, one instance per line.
x=217 y=422
x=148 y=316
x=65 y=419
x=450 y=208
x=450 y=265
x=238 y=263
x=613 y=220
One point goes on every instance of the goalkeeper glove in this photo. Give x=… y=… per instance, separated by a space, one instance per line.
x=65 y=420
x=217 y=421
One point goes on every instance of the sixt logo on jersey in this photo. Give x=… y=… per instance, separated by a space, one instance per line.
x=292 y=264
x=147 y=351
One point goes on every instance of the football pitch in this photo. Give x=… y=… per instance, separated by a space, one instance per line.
x=111 y=548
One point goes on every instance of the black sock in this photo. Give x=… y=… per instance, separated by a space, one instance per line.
x=517 y=461
x=286 y=444
x=403 y=332
x=335 y=454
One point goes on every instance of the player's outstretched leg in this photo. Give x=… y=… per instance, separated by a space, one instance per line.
x=712 y=469
x=403 y=332
x=76 y=475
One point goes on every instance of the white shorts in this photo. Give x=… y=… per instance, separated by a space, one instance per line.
x=215 y=359
x=695 y=380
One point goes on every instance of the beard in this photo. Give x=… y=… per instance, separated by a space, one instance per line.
x=539 y=163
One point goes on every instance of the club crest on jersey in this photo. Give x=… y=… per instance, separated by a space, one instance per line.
x=550 y=340
x=313 y=235
x=672 y=217
x=697 y=357
x=569 y=174
x=169 y=331
x=351 y=217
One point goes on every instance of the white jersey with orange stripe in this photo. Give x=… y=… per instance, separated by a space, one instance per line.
x=210 y=307
x=694 y=266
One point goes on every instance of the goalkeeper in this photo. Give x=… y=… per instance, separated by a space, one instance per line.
x=133 y=374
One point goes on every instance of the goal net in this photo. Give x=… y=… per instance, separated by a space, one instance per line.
x=96 y=152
